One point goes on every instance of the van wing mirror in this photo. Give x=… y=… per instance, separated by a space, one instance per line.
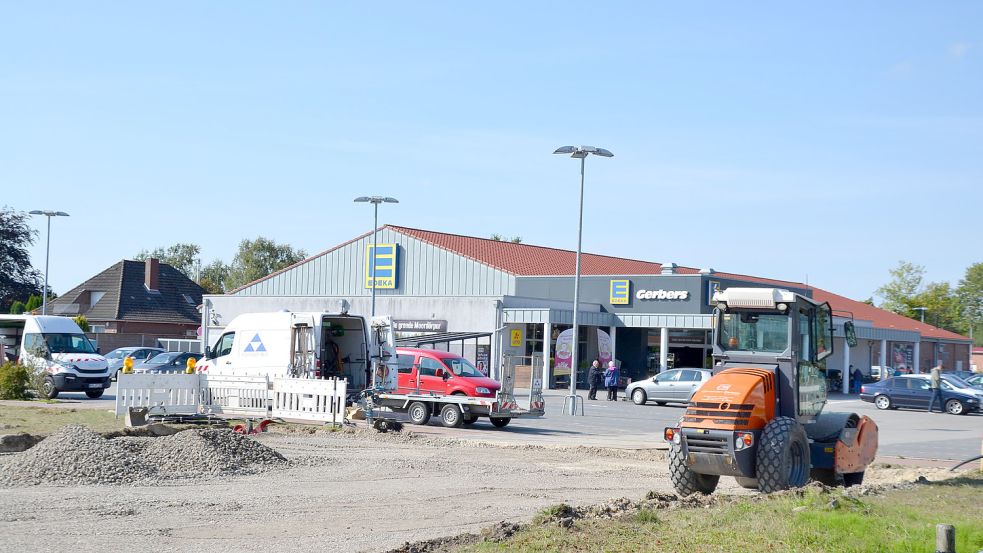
x=209 y=353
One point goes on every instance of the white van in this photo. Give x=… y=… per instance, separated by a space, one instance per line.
x=57 y=346
x=304 y=345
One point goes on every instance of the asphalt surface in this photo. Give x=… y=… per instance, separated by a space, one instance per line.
x=621 y=424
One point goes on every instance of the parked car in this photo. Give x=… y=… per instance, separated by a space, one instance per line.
x=913 y=392
x=139 y=355
x=975 y=381
x=167 y=362
x=441 y=373
x=675 y=385
x=960 y=385
x=962 y=374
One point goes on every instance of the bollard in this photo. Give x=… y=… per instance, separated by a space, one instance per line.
x=945 y=538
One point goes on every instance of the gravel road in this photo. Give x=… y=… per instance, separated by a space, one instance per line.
x=340 y=492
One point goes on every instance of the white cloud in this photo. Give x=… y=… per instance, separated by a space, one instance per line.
x=959 y=49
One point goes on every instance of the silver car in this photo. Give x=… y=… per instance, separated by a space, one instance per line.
x=675 y=385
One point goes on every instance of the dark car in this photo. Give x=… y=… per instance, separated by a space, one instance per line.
x=913 y=392
x=975 y=381
x=169 y=362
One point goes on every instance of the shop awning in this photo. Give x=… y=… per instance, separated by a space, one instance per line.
x=439 y=338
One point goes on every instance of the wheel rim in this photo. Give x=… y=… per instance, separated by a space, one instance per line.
x=638 y=396
x=48 y=387
x=451 y=416
x=417 y=413
x=954 y=407
x=883 y=402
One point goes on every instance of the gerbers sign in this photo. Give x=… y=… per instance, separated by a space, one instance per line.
x=662 y=295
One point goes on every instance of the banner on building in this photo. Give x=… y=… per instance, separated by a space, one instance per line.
x=482 y=358
x=564 y=350
x=604 y=353
x=902 y=355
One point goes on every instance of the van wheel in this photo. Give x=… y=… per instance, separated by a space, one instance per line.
x=48 y=389
x=451 y=416
x=94 y=394
x=419 y=413
x=471 y=419
x=500 y=422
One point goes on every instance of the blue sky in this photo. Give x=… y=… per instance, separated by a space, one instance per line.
x=824 y=142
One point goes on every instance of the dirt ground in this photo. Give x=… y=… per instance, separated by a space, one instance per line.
x=344 y=492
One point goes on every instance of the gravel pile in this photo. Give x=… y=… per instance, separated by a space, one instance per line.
x=76 y=455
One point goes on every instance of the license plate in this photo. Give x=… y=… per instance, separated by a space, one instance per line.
x=95 y=385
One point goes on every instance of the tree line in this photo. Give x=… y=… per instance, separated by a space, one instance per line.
x=955 y=308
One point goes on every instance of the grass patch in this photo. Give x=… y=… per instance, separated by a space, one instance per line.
x=45 y=420
x=900 y=520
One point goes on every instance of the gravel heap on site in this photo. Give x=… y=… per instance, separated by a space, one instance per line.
x=76 y=455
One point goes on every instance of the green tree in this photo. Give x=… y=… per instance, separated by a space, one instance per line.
x=906 y=281
x=183 y=257
x=214 y=276
x=33 y=303
x=257 y=259
x=970 y=295
x=17 y=307
x=18 y=278
x=941 y=306
x=499 y=238
x=83 y=323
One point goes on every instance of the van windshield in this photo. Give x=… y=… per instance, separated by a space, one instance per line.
x=63 y=342
x=461 y=367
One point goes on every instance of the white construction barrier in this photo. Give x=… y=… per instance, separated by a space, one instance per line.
x=173 y=394
x=307 y=399
x=246 y=396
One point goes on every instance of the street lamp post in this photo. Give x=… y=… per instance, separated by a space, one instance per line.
x=375 y=201
x=580 y=153
x=47 y=253
x=921 y=311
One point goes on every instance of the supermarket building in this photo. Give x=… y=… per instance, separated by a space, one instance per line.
x=486 y=298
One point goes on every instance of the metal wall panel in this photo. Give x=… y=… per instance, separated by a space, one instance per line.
x=423 y=270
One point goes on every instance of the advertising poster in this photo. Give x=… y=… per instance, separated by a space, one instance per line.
x=603 y=347
x=564 y=350
x=902 y=355
x=482 y=357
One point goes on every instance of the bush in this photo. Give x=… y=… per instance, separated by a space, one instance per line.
x=14 y=381
x=17 y=307
x=83 y=323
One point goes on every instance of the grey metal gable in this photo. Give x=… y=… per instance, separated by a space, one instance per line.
x=422 y=270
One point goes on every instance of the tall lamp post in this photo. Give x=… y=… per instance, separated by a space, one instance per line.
x=375 y=201
x=47 y=253
x=580 y=153
x=921 y=311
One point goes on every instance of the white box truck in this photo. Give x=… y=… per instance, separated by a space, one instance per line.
x=58 y=347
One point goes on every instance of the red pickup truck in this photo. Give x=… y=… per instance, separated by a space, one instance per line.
x=441 y=373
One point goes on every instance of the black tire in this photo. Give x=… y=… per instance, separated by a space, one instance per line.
x=418 y=413
x=955 y=407
x=94 y=394
x=883 y=402
x=638 y=396
x=826 y=477
x=500 y=422
x=451 y=416
x=783 y=456
x=749 y=483
x=661 y=403
x=685 y=480
x=853 y=478
x=471 y=419
x=48 y=389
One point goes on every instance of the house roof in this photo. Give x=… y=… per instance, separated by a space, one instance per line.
x=529 y=260
x=125 y=298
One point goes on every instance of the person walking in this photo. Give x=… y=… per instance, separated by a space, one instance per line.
x=611 y=380
x=858 y=379
x=935 y=384
x=593 y=379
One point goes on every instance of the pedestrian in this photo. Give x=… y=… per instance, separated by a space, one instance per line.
x=611 y=380
x=935 y=384
x=593 y=379
x=858 y=378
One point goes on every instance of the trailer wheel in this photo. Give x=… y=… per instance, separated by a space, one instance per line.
x=451 y=416
x=471 y=419
x=500 y=422
x=419 y=413
x=749 y=483
x=853 y=478
x=48 y=389
x=783 y=456
x=685 y=480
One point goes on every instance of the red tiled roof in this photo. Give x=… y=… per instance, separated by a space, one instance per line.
x=882 y=318
x=529 y=260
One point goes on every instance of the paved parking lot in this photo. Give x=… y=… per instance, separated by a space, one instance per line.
x=621 y=424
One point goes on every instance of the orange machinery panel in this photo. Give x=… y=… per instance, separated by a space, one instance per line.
x=733 y=399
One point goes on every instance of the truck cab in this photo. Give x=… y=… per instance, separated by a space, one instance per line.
x=441 y=373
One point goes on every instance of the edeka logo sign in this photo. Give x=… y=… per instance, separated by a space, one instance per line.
x=620 y=294
x=382 y=273
x=662 y=295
